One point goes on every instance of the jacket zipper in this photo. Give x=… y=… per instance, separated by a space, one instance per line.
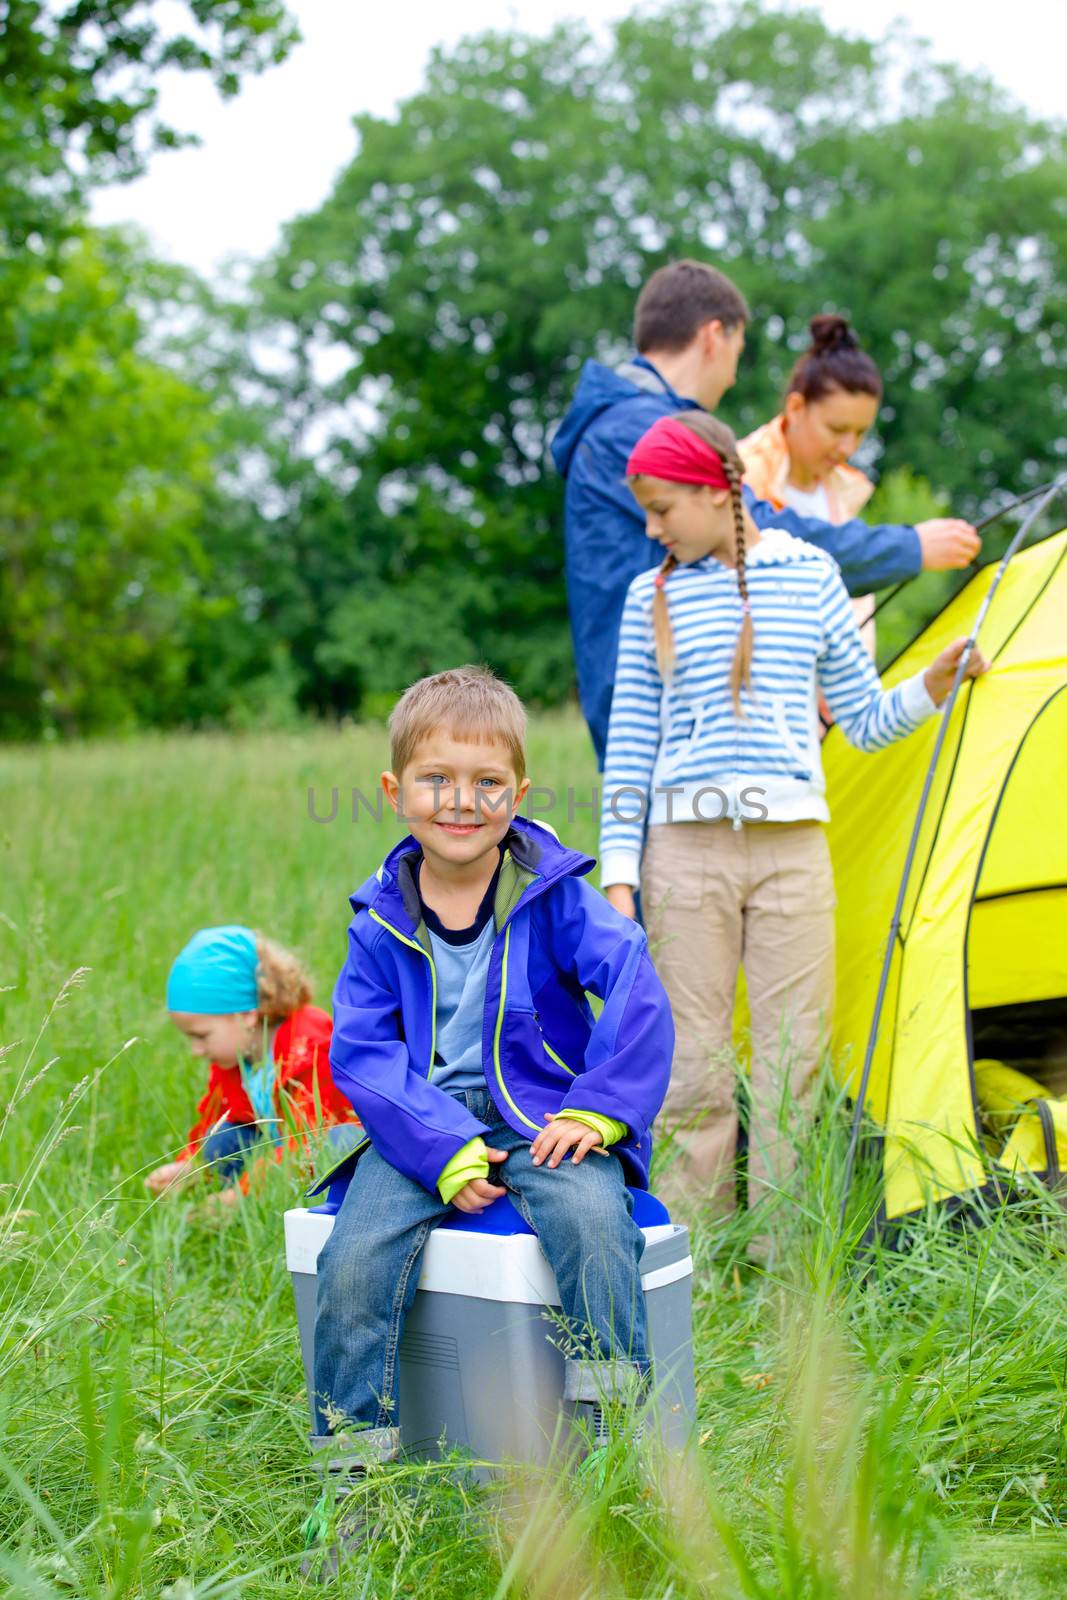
x=433 y=982
x=497 y=1030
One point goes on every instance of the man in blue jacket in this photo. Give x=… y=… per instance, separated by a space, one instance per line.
x=464 y=1039
x=689 y=330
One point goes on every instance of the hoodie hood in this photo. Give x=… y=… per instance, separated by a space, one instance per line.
x=533 y=846
x=599 y=389
x=777 y=548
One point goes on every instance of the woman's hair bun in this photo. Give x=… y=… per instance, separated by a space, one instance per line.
x=833 y=360
x=831 y=332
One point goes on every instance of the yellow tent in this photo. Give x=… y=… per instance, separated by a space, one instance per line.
x=980 y=963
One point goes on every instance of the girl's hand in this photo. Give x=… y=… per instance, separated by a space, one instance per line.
x=947 y=542
x=475 y=1196
x=621 y=896
x=940 y=677
x=221 y=1203
x=171 y=1175
x=561 y=1135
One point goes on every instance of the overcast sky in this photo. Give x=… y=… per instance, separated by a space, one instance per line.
x=274 y=151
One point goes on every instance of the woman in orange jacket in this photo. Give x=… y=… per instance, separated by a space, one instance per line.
x=243 y=1003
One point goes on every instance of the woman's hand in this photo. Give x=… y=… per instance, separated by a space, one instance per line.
x=621 y=896
x=940 y=677
x=171 y=1175
x=947 y=542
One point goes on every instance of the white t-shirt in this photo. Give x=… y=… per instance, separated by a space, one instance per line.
x=809 y=502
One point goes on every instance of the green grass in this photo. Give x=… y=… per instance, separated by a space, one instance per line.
x=901 y=1434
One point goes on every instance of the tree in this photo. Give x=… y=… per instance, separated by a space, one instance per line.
x=78 y=92
x=79 y=89
x=107 y=456
x=108 y=460
x=493 y=235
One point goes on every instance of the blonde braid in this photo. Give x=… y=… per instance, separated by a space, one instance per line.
x=661 y=619
x=722 y=441
x=741 y=666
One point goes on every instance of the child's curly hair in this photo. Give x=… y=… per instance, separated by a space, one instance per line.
x=281 y=982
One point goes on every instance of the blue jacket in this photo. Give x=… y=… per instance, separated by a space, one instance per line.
x=604 y=527
x=542 y=1048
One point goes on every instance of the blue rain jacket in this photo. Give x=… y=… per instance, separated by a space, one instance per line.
x=604 y=527
x=542 y=1048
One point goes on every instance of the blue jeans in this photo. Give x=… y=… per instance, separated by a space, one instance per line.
x=368 y=1269
x=225 y=1150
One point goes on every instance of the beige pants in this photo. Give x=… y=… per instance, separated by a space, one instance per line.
x=716 y=898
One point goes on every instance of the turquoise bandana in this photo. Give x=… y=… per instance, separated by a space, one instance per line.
x=215 y=974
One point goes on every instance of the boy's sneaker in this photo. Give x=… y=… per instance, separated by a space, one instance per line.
x=605 y=1400
x=338 y=1523
x=336 y=1526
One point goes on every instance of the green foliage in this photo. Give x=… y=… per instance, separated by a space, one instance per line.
x=106 y=457
x=882 y=1438
x=78 y=93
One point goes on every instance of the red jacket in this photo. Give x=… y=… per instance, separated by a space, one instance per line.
x=302 y=1060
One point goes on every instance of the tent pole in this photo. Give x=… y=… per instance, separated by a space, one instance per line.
x=979 y=527
x=1052 y=490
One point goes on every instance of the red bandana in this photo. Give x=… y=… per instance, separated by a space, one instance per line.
x=671 y=451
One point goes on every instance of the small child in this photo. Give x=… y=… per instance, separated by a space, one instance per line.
x=465 y=1041
x=714 y=741
x=242 y=1002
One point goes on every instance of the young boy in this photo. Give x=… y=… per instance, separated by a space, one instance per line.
x=465 y=1042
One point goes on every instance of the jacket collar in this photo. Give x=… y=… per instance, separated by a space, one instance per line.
x=641 y=372
x=533 y=859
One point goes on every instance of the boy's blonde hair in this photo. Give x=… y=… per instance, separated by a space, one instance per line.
x=467 y=702
x=282 y=985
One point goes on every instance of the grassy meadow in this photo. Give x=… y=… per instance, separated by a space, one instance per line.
x=898 y=1434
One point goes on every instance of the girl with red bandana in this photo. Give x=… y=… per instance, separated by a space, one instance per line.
x=713 y=746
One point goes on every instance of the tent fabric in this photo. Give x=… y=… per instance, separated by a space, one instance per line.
x=1038 y=1141
x=985 y=917
x=1016 y=949
x=1035 y=1123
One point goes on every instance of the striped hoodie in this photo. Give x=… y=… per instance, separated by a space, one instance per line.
x=678 y=752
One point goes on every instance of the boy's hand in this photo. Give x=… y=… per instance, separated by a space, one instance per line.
x=171 y=1175
x=940 y=677
x=475 y=1196
x=947 y=542
x=561 y=1135
x=621 y=896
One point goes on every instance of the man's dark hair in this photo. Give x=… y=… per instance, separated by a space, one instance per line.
x=678 y=299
